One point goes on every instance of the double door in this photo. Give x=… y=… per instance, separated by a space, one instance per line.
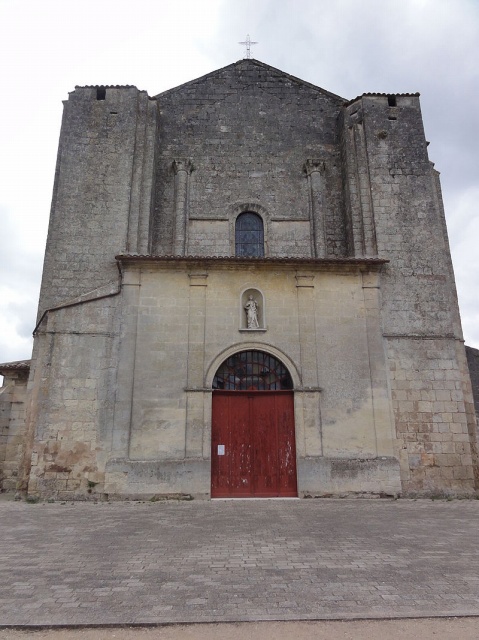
x=253 y=445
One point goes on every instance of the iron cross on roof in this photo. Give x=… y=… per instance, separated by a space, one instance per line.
x=248 y=42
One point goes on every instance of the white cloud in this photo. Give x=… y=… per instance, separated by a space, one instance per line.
x=348 y=47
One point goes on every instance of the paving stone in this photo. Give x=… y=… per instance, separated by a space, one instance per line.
x=126 y=563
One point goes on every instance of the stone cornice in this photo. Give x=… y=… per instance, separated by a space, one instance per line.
x=233 y=261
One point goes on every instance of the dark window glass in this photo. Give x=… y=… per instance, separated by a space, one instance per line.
x=249 y=235
x=252 y=370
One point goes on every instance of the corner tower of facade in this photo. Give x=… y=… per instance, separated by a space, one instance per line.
x=247 y=292
x=394 y=196
x=102 y=193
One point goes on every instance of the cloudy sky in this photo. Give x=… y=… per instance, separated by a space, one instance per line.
x=348 y=47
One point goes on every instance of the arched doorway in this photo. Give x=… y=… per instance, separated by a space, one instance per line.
x=253 y=438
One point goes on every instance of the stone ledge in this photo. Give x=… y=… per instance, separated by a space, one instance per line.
x=334 y=477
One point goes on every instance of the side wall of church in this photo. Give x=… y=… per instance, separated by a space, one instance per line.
x=12 y=427
x=399 y=191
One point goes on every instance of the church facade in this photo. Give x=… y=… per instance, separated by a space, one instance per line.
x=247 y=292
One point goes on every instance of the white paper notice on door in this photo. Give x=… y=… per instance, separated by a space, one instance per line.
x=221 y=449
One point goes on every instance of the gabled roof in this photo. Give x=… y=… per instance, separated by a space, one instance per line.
x=255 y=63
x=17 y=365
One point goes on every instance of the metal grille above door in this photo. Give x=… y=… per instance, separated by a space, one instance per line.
x=252 y=371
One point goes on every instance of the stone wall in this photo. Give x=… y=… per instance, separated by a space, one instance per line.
x=248 y=148
x=399 y=193
x=102 y=192
x=12 y=423
x=429 y=405
x=395 y=207
x=119 y=396
x=181 y=320
x=71 y=393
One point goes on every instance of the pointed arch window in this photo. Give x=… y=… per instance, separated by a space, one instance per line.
x=249 y=235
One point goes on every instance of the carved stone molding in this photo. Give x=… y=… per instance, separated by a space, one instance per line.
x=304 y=281
x=198 y=279
x=314 y=165
x=182 y=164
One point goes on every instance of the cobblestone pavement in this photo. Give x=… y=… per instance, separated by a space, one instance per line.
x=137 y=563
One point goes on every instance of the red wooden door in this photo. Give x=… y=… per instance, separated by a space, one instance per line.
x=253 y=444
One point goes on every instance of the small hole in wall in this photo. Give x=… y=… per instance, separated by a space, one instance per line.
x=100 y=93
x=392 y=101
x=392 y=117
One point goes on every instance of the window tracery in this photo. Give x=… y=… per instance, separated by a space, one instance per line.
x=249 y=235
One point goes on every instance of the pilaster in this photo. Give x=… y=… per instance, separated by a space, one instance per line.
x=360 y=205
x=139 y=235
x=309 y=399
x=196 y=352
x=314 y=171
x=182 y=168
x=126 y=372
x=383 y=419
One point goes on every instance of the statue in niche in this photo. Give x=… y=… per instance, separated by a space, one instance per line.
x=252 y=308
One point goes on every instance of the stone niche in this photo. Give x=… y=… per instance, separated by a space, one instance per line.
x=252 y=310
